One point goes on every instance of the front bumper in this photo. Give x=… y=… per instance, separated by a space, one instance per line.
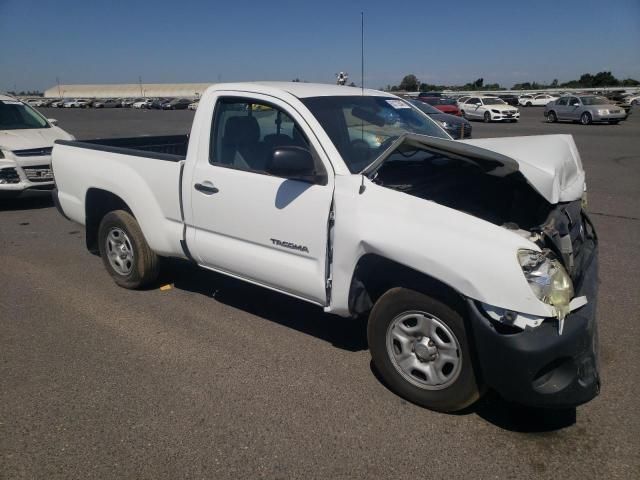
x=538 y=367
x=16 y=178
x=503 y=116
x=611 y=116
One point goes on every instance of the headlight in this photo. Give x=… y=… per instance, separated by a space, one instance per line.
x=548 y=279
x=603 y=112
x=495 y=111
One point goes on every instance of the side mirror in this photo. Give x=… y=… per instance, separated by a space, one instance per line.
x=293 y=163
x=52 y=121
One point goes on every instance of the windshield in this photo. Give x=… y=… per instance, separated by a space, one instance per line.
x=15 y=115
x=493 y=101
x=447 y=101
x=593 y=100
x=362 y=127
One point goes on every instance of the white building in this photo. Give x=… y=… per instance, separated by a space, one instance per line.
x=131 y=90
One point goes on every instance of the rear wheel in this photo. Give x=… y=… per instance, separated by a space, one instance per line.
x=487 y=117
x=125 y=252
x=585 y=118
x=420 y=347
x=551 y=117
x=528 y=104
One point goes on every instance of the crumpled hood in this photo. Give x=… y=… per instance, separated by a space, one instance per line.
x=31 y=138
x=550 y=163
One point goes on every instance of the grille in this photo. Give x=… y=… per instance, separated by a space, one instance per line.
x=9 y=175
x=33 y=152
x=40 y=173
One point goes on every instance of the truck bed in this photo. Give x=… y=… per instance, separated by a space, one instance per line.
x=165 y=147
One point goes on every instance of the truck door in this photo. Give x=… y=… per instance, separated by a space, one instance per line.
x=248 y=221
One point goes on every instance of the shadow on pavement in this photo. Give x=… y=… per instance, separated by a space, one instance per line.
x=27 y=201
x=509 y=416
x=343 y=333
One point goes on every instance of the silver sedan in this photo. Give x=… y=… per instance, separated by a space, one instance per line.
x=584 y=108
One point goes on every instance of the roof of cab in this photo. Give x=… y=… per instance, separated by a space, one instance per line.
x=302 y=90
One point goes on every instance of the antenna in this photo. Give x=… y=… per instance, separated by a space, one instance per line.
x=362 y=50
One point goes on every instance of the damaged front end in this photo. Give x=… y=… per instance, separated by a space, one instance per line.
x=548 y=361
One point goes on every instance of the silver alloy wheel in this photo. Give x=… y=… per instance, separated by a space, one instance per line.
x=119 y=251
x=585 y=118
x=424 y=350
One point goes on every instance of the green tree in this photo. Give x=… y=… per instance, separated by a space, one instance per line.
x=409 y=83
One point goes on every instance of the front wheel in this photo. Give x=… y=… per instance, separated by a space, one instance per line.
x=487 y=117
x=585 y=118
x=125 y=252
x=420 y=347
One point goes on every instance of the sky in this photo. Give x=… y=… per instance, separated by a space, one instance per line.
x=162 y=41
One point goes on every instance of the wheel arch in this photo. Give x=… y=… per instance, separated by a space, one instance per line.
x=374 y=275
x=98 y=203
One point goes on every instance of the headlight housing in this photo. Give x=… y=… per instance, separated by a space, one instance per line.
x=548 y=279
x=495 y=111
x=603 y=112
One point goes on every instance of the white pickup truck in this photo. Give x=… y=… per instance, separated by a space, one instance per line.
x=474 y=261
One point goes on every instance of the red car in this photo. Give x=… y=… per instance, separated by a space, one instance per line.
x=445 y=105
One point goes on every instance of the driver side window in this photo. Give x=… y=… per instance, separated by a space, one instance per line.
x=245 y=133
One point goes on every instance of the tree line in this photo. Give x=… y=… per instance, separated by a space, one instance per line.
x=410 y=83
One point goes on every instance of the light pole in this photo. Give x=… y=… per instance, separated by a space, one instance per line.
x=140 y=81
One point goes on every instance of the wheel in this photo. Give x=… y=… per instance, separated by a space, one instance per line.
x=419 y=345
x=585 y=118
x=551 y=117
x=463 y=114
x=125 y=252
x=528 y=104
x=487 y=117
x=635 y=102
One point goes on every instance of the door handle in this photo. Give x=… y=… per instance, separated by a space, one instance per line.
x=206 y=187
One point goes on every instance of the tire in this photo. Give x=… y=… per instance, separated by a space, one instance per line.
x=487 y=117
x=463 y=114
x=635 y=102
x=427 y=378
x=585 y=118
x=137 y=265
x=528 y=104
x=551 y=117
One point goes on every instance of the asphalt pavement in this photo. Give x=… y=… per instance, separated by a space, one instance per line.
x=208 y=377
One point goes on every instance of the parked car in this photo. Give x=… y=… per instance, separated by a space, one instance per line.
x=26 y=139
x=176 y=104
x=142 y=103
x=586 y=109
x=57 y=103
x=108 y=103
x=77 y=103
x=445 y=105
x=633 y=99
x=489 y=109
x=539 y=100
x=194 y=105
x=128 y=102
x=35 y=102
x=475 y=266
x=158 y=102
x=457 y=127
x=508 y=98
